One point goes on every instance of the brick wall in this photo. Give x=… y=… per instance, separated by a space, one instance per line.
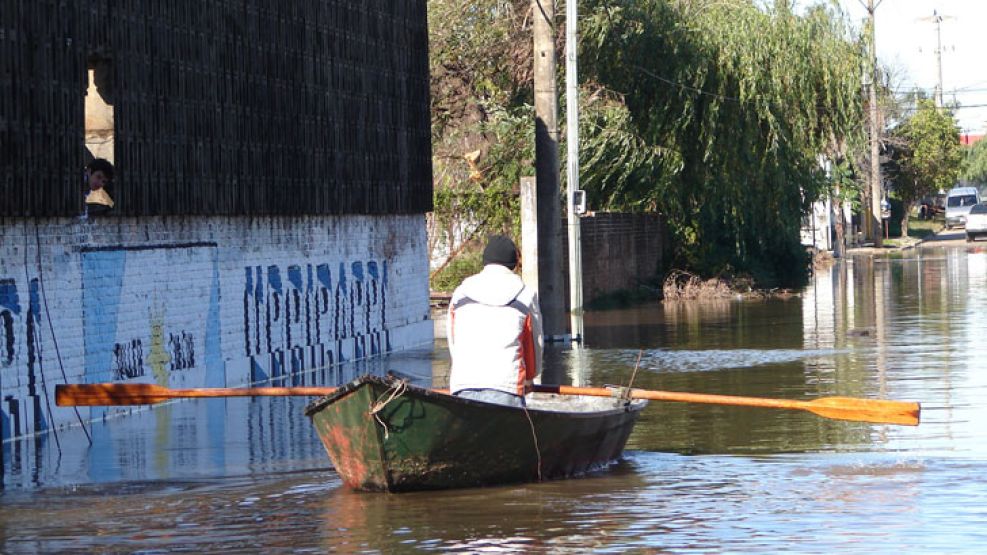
x=620 y=251
x=198 y=302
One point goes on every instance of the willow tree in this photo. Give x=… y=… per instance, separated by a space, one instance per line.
x=975 y=163
x=732 y=105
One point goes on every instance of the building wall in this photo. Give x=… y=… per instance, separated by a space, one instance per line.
x=220 y=107
x=198 y=302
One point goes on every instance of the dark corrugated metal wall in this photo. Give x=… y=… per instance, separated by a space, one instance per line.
x=221 y=106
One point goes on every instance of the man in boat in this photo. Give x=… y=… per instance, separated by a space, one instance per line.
x=494 y=330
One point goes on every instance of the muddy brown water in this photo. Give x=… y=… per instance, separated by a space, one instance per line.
x=241 y=475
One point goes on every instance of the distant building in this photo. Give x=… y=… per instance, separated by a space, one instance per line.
x=819 y=226
x=969 y=140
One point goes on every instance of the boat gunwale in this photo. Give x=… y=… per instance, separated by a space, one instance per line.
x=318 y=405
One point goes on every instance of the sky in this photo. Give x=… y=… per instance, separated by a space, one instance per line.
x=906 y=41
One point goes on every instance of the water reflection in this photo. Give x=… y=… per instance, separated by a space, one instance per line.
x=899 y=327
x=204 y=437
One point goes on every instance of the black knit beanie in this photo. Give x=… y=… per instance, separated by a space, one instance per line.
x=500 y=250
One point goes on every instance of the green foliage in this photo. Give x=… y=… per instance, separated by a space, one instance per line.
x=728 y=107
x=931 y=155
x=975 y=163
x=490 y=203
x=621 y=170
x=713 y=112
x=482 y=130
x=461 y=267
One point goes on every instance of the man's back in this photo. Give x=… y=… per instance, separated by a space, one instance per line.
x=494 y=332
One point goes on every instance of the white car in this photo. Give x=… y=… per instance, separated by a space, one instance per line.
x=976 y=222
x=959 y=200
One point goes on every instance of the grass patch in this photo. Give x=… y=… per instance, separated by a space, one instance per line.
x=920 y=229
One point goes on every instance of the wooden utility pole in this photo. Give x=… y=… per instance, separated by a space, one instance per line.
x=876 y=189
x=550 y=283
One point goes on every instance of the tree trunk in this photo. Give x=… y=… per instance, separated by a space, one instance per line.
x=837 y=207
x=904 y=217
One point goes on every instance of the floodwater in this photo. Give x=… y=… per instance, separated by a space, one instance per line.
x=239 y=475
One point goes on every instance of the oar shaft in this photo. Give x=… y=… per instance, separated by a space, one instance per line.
x=253 y=392
x=652 y=395
x=121 y=394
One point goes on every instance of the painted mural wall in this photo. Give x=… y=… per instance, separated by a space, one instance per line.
x=199 y=302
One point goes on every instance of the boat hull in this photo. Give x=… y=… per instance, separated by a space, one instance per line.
x=383 y=435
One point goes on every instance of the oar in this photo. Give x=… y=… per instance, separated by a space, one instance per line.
x=838 y=408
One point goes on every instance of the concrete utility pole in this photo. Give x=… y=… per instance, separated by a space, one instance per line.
x=550 y=285
x=938 y=19
x=876 y=189
x=572 y=175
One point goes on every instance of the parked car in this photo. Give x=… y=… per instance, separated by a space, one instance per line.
x=976 y=222
x=959 y=201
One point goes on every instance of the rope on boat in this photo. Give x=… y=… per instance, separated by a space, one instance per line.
x=396 y=390
x=627 y=391
x=534 y=438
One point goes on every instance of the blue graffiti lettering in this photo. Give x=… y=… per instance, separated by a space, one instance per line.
x=182 y=349
x=9 y=307
x=128 y=359
x=306 y=308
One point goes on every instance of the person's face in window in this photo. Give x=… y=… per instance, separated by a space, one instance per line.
x=97 y=180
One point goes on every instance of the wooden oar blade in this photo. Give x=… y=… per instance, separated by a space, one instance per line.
x=109 y=394
x=867 y=410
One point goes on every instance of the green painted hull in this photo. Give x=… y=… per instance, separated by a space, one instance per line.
x=419 y=439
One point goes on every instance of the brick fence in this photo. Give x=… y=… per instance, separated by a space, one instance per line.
x=620 y=251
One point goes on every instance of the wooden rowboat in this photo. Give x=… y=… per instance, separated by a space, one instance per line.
x=385 y=435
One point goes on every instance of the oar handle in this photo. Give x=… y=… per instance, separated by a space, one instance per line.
x=253 y=392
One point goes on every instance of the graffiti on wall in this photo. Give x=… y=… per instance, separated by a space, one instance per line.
x=299 y=318
x=128 y=360
x=136 y=324
x=22 y=393
x=142 y=314
x=181 y=348
x=9 y=308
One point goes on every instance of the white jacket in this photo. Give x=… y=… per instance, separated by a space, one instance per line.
x=494 y=332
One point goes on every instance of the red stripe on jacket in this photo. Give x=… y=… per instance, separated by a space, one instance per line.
x=528 y=367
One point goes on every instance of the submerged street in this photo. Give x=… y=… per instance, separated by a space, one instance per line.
x=250 y=474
